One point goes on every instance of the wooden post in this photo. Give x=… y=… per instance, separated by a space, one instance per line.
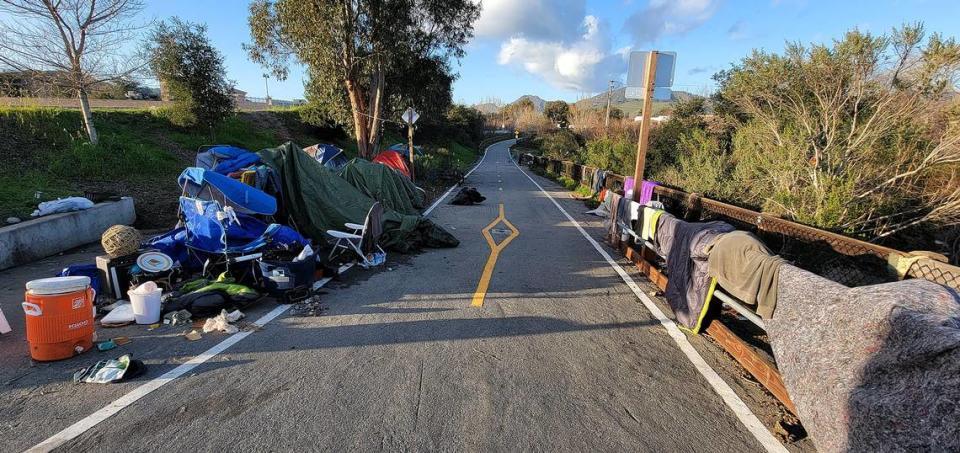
x=413 y=175
x=648 y=85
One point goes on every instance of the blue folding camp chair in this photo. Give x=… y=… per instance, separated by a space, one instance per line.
x=221 y=236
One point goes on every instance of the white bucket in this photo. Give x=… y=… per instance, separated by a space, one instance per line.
x=145 y=300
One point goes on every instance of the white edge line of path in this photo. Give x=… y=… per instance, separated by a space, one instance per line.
x=75 y=430
x=733 y=401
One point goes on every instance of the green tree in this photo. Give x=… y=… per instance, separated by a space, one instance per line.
x=355 y=49
x=192 y=71
x=857 y=135
x=557 y=111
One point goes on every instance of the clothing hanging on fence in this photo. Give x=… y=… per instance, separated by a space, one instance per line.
x=598 y=181
x=612 y=234
x=746 y=269
x=648 y=227
x=646 y=191
x=690 y=287
x=628 y=185
x=872 y=368
x=623 y=212
x=664 y=233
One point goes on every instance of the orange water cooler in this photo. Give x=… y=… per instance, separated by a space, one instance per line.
x=60 y=315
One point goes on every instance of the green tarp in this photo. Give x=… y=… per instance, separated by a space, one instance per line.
x=317 y=200
x=384 y=184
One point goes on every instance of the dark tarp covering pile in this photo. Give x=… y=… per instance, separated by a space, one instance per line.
x=317 y=200
x=385 y=185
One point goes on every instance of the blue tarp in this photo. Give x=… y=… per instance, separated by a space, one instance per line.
x=226 y=159
x=404 y=149
x=209 y=185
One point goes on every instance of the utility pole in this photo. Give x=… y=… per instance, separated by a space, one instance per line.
x=606 y=122
x=648 y=86
x=267 y=85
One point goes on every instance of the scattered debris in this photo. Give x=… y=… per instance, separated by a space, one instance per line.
x=467 y=197
x=120 y=341
x=175 y=318
x=223 y=322
x=310 y=306
x=106 y=345
x=13 y=220
x=121 y=315
x=193 y=335
x=110 y=371
x=154 y=326
x=789 y=429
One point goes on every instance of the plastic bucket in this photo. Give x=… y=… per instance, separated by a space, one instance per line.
x=145 y=300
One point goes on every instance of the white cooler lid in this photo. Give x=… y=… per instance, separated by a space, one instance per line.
x=58 y=285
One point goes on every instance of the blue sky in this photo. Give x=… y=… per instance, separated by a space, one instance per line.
x=566 y=49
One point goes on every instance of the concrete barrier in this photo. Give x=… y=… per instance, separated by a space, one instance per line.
x=45 y=236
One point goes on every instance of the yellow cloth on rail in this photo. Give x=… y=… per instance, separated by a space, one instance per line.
x=649 y=229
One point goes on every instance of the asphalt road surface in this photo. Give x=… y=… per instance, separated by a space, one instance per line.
x=559 y=357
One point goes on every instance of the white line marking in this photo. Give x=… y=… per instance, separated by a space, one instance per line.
x=733 y=401
x=75 y=430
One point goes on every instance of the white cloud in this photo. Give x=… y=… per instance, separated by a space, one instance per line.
x=557 y=41
x=668 y=17
x=737 y=31
x=583 y=64
x=553 y=20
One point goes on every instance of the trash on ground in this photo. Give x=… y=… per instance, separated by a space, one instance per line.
x=62 y=205
x=110 y=371
x=193 y=335
x=121 y=315
x=4 y=325
x=223 y=322
x=106 y=345
x=176 y=318
x=468 y=196
x=120 y=341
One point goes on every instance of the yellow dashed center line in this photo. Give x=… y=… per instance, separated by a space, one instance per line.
x=495 y=250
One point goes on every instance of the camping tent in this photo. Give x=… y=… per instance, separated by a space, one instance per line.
x=385 y=185
x=393 y=160
x=404 y=150
x=330 y=156
x=318 y=200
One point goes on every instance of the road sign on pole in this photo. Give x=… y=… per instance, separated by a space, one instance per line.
x=637 y=75
x=410 y=116
x=648 y=84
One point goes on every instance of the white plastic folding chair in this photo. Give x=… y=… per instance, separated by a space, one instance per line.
x=354 y=239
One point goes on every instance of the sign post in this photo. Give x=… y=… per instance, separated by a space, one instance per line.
x=410 y=116
x=656 y=69
x=648 y=86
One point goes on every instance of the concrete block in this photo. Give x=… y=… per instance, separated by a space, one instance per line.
x=45 y=236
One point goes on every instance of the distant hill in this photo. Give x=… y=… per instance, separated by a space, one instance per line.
x=487 y=108
x=538 y=102
x=630 y=107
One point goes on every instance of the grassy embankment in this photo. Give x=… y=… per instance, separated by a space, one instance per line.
x=140 y=154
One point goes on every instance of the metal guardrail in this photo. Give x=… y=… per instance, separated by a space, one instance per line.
x=855 y=263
